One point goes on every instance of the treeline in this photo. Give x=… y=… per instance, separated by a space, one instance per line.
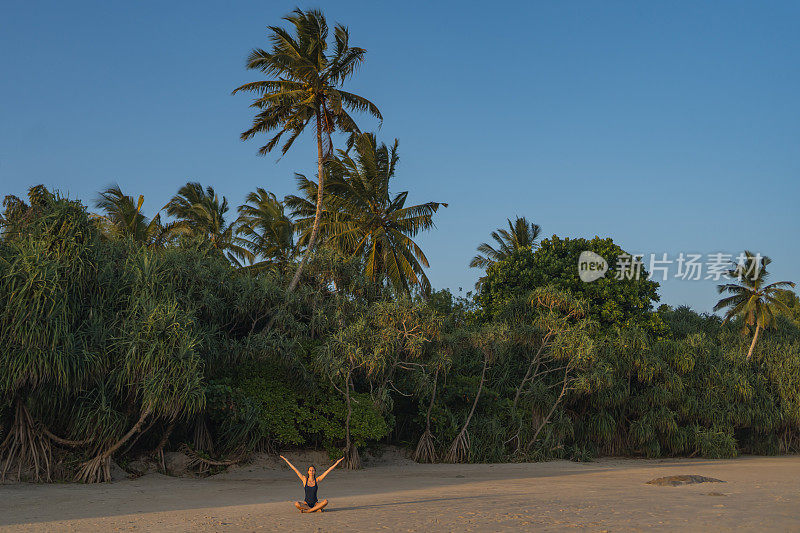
x=113 y=348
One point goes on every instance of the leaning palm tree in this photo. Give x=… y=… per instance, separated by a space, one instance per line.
x=122 y=217
x=200 y=213
x=267 y=232
x=362 y=219
x=304 y=86
x=752 y=300
x=520 y=234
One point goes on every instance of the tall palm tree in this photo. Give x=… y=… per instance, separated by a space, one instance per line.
x=122 y=217
x=304 y=86
x=752 y=300
x=201 y=213
x=267 y=232
x=520 y=234
x=362 y=219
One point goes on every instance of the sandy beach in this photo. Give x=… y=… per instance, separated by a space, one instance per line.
x=759 y=493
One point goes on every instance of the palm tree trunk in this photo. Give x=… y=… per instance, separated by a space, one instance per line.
x=433 y=399
x=535 y=362
x=426 y=452
x=162 y=443
x=352 y=460
x=459 y=449
x=477 y=395
x=552 y=410
x=753 y=344
x=349 y=411
x=318 y=214
x=98 y=469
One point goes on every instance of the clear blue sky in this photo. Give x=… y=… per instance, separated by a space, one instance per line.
x=668 y=126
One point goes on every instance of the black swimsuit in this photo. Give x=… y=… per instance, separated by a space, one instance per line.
x=311 y=495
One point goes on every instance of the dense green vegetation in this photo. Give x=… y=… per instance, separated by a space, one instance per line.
x=614 y=303
x=309 y=321
x=114 y=347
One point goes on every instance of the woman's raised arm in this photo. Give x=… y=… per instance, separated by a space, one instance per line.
x=296 y=471
x=320 y=478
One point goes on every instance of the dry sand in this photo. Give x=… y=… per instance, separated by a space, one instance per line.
x=760 y=493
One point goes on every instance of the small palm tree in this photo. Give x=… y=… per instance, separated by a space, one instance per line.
x=304 y=87
x=267 y=232
x=122 y=217
x=200 y=213
x=362 y=219
x=16 y=212
x=752 y=300
x=520 y=234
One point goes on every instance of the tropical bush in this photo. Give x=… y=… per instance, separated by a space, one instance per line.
x=94 y=345
x=613 y=302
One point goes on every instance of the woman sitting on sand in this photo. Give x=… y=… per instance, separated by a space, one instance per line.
x=310 y=483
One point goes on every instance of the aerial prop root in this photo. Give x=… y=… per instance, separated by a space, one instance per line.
x=203 y=465
x=425 y=451
x=459 y=450
x=98 y=468
x=352 y=461
x=27 y=447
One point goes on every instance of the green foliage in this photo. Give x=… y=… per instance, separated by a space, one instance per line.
x=112 y=345
x=792 y=305
x=122 y=218
x=201 y=215
x=307 y=76
x=689 y=392
x=614 y=303
x=263 y=404
x=266 y=231
x=361 y=218
x=519 y=235
x=93 y=343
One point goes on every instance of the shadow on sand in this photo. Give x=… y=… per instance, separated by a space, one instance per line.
x=395 y=504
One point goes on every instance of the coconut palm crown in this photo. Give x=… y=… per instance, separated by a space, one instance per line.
x=305 y=75
x=751 y=299
x=363 y=219
x=266 y=231
x=122 y=217
x=520 y=234
x=200 y=213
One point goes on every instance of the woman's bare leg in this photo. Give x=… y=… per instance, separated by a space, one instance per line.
x=302 y=506
x=318 y=508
